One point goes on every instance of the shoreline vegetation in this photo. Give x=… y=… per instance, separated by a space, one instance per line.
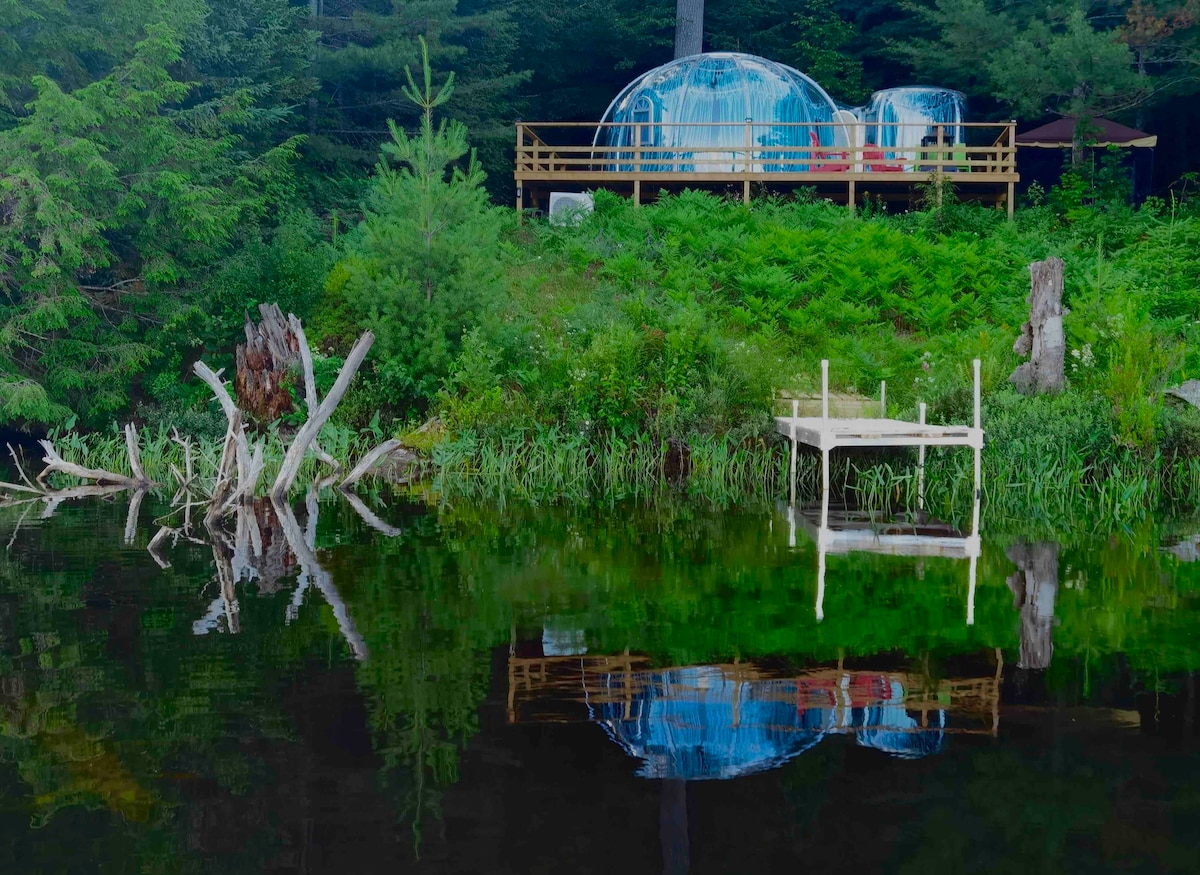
x=632 y=349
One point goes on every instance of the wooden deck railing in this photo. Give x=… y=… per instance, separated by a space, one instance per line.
x=639 y=152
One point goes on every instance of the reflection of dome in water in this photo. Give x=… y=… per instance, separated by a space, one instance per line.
x=704 y=100
x=698 y=722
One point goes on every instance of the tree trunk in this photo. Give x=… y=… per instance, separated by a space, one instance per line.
x=689 y=27
x=1042 y=336
x=264 y=363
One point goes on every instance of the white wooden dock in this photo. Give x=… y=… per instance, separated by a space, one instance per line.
x=827 y=433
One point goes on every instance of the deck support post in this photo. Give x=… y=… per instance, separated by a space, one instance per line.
x=921 y=461
x=637 y=192
x=850 y=196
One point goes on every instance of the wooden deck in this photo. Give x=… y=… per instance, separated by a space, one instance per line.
x=574 y=156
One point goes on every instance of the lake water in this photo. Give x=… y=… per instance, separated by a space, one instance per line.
x=473 y=688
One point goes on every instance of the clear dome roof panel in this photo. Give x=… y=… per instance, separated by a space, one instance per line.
x=686 y=109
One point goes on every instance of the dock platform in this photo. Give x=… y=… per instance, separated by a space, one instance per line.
x=826 y=433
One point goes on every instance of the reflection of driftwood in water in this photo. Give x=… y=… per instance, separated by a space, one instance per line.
x=311 y=570
x=104 y=483
x=1034 y=587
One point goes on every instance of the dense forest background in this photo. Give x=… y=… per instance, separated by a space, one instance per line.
x=167 y=164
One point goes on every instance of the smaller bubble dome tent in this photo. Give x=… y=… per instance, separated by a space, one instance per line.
x=919 y=110
x=702 y=102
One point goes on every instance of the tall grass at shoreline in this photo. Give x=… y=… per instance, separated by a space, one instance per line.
x=1068 y=484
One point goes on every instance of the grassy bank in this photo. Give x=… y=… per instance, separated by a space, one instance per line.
x=643 y=348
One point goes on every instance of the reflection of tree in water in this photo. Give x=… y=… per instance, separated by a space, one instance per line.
x=108 y=703
x=1035 y=586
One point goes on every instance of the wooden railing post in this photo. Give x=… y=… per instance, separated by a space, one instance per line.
x=746 y=181
x=637 y=165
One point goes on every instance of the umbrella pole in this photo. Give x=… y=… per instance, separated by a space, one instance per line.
x=673 y=827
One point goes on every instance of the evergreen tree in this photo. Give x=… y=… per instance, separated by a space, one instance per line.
x=422 y=266
x=115 y=198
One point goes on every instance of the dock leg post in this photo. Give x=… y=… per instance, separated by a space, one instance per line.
x=822 y=533
x=883 y=399
x=792 y=462
x=850 y=197
x=637 y=192
x=824 y=394
x=921 y=461
x=978 y=451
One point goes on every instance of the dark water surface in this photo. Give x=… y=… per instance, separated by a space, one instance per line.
x=567 y=690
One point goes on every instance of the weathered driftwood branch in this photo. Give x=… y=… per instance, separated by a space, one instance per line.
x=1042 y=337
x=310 y=387
x=135 y=455
x=236 y=454
x=188 y=475
x=28 y=487
x=57 y=464
x=367 y=462
x=317 y=418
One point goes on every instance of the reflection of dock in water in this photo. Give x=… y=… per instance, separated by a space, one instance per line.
x=841 y=529
x=720 y=721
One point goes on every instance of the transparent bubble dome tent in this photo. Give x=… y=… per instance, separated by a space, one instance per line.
x=726 y=120
x=686 y=109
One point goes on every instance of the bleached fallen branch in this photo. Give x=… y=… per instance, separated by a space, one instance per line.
x=316 y=419
x=57 y=464
x=188 y=475
x=28 y=487
x=367 y=462
x=310 y=387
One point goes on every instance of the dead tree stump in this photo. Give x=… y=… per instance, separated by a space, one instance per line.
x=266 y=365
x=1042 y=336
